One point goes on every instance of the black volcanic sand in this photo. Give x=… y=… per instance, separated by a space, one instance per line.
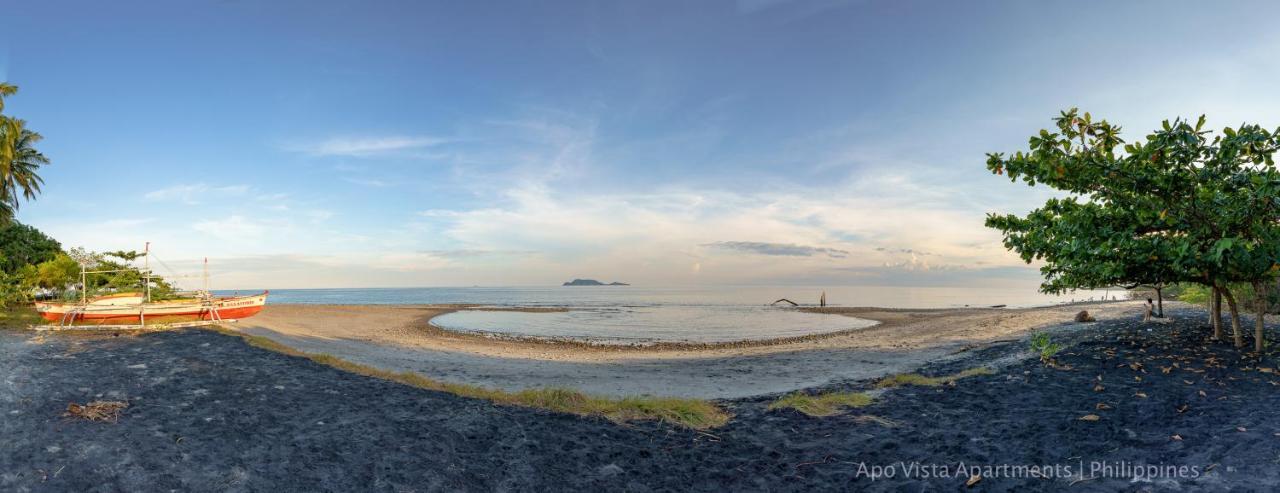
x=208 y=412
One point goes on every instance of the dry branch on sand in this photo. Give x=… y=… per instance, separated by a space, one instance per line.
x=97 y=410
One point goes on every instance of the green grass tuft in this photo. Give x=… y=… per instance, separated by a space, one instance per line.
x=921 y=380
x=828 y=404
x=690 y=413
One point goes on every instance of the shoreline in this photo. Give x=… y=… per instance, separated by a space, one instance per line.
x=399 y=338
x=884 y=318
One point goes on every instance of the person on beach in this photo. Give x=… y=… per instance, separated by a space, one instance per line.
x=1146 y=317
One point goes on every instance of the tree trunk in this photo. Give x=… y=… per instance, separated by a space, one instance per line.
x=1260 y=295
x=1159 y=302
x=1236 y=336
x=1215 y=311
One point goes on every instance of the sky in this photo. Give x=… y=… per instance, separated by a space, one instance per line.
x=412 y=143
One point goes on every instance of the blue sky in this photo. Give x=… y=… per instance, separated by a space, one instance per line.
x=387 y=143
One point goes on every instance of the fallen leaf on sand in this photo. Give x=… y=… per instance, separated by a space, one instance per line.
x=1102 y=406
x=1090 y=417
x=1177 y=437
x=973 y=480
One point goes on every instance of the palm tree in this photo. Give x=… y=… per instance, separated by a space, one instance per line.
x=19 y=160
x=6 y=89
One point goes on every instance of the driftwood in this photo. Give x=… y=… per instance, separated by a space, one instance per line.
x=780 y=300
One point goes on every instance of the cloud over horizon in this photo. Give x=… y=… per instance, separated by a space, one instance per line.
x=777 y=249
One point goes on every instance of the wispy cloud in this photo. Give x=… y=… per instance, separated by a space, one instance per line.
x=903 y=250
x=470 y=253
x=777 y=249
x=194 y=192
x=367 y=146
x=368 y=182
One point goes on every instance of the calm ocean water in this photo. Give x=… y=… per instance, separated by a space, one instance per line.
x=637 y=296
x=640 y=315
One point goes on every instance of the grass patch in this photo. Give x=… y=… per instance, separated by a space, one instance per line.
x=19 y=317
x=921 y=380
x=828 y=404
x=690 y=413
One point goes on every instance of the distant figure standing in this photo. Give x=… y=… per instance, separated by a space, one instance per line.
x=1146 y=317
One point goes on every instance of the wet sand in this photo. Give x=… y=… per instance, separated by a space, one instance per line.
x=400 y=338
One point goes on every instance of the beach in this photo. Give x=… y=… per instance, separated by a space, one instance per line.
x=400 y=338
x=206 y=411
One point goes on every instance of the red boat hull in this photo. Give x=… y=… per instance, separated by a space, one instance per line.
x=114 y=319
x=122 y=310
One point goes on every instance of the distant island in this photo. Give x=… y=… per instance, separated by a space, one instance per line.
x=592 y=282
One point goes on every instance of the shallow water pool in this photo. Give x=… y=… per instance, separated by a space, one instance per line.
x=652 y=324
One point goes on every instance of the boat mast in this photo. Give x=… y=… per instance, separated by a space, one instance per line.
x=146 y=270
x=206 y=276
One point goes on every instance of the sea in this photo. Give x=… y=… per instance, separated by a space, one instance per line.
x=636 y=296
x=646 y=315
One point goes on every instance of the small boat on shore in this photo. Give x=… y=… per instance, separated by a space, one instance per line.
x=132 y=308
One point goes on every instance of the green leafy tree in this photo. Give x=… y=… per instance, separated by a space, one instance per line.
x=25 y=245
x=58 y=273
x=1176 y=206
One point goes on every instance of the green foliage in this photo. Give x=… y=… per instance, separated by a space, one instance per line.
x=1178 y=206
x=22 y=245
x=58 y=273
x=1042 y=345
x=1201 y=295
x=11 y=291
x=19 y=160
x=1195 y=293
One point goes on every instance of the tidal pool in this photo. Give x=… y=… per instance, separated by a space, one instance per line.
x=652 y=324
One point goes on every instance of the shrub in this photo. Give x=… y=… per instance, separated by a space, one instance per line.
x=1045 y=347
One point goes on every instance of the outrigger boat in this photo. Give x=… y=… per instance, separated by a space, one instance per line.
x=132 y=309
